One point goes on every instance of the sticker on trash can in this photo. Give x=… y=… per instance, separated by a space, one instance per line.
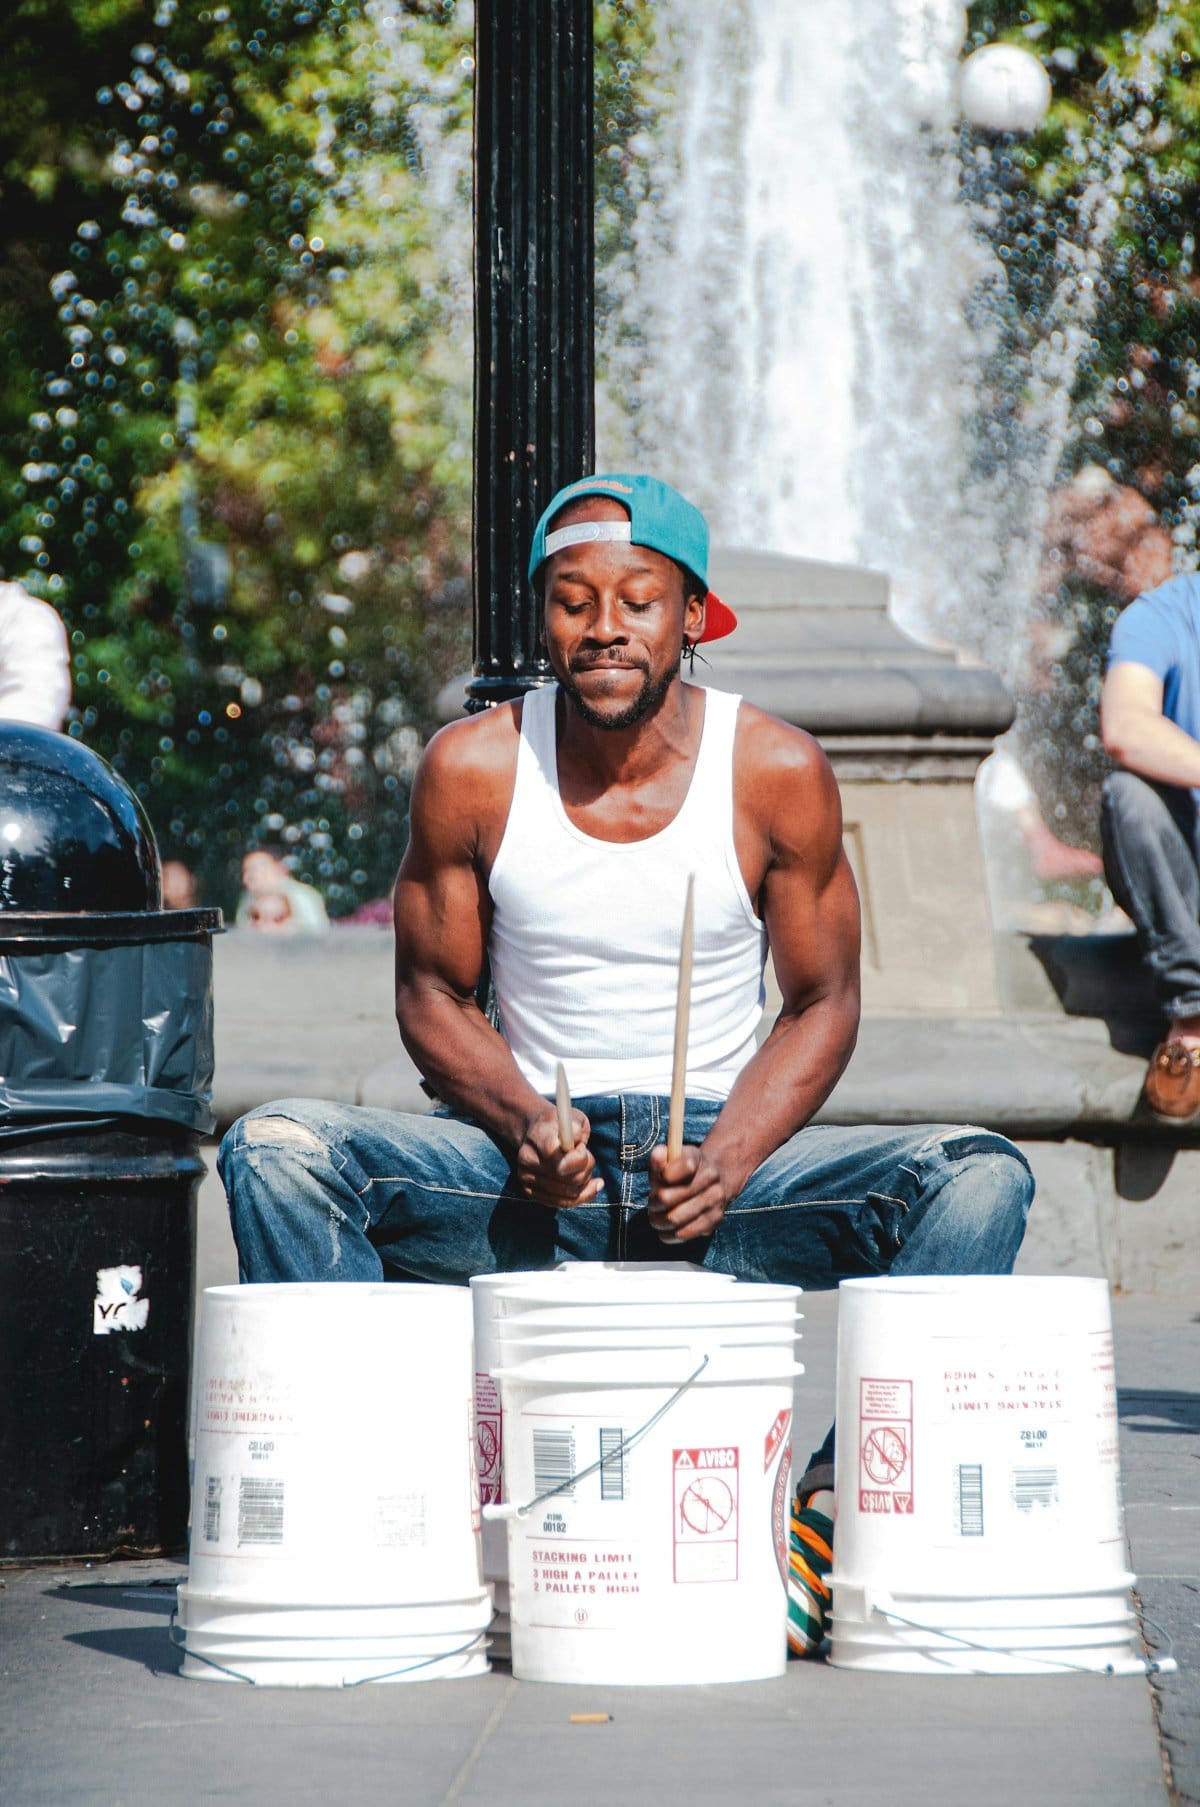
x=117 y=1305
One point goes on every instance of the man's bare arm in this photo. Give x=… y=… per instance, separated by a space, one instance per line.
x=1138 y=735
x=443 y=912
x=810 y=906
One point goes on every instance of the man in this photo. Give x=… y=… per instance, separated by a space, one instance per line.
x=1150 y=722
x=556 y=835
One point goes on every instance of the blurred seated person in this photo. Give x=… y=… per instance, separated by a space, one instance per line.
x=35 y=663
x=1037 y=882
x=274 y=902
x=1150 y=723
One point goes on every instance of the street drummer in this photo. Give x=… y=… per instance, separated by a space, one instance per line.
x=552 y=841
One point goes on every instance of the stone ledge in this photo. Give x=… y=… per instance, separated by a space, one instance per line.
x=291 y=1025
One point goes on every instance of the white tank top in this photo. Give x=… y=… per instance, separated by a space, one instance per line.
x=585 y=933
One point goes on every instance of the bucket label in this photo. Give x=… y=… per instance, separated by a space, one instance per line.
x=706 y=1514
x=779 y=1513
x=775 y=1437
x=1026 y=1433
x=488 y=1438
x=885 y=1445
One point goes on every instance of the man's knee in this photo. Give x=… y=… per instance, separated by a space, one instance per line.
x=261 y=1142
x=976 y=1216
x=1134 y=809
x=282 y=1128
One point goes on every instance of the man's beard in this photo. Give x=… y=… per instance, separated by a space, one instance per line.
x=644 y=703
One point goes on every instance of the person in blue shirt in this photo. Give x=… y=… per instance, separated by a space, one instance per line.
x=1150 y=722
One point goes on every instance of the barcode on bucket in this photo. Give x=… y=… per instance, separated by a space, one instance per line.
x=212 y=1508
x=1034 y=1488
x=970 y=1499
x=554 y=1463
x=612 y=1465
x=260 y=1512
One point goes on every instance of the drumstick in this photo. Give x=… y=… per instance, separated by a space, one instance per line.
x=683 y=1002
x=566 y=1128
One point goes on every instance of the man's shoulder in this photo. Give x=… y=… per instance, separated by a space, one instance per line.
x=1178 y=596
x=767 y=746
x=1156 y=617
x=477 y=745
x=463 y=786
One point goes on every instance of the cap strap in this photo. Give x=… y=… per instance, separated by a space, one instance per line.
x=583 y=532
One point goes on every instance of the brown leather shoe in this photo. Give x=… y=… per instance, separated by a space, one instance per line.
x=1172 y=1086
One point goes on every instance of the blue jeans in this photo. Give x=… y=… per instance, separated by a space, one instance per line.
x=340 y=1192
x=1152 y=863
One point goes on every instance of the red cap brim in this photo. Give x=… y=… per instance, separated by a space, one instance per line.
x=719 y=619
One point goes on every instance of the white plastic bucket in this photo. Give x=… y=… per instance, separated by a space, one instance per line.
x=335 y=1526
x=576 y=1277
x=978 y=1508
x=646 y=1484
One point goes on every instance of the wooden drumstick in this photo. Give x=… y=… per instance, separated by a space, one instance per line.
x=683 y=1003
x=566 y=1127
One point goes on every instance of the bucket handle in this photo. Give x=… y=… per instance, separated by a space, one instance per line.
x=882 y=1606
x=505 y=1509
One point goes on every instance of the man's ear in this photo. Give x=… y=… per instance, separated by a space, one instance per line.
x=693 y=617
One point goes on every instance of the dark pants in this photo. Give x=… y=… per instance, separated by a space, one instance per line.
x=1152 y=863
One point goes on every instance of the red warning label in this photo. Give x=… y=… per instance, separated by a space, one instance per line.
x=706 y=1514
x=775 y=1437
x=885 y=1445
x=487 y=1437
x=779 y=1511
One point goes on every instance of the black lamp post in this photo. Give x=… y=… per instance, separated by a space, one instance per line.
x=534 y=272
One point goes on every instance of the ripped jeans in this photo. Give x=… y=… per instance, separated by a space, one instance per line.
x=344 y=1192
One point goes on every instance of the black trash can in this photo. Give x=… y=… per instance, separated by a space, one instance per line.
x=105 y=1090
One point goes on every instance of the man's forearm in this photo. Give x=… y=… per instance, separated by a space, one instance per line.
x=1154 y=748
x=781 y=1088
x=466 y=1062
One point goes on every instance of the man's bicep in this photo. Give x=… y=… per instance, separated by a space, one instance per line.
x=441 y=904
x=1129 y=688
x=814 y=935
x=810 y=899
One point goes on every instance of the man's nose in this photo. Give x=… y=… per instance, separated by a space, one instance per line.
x=607 y=625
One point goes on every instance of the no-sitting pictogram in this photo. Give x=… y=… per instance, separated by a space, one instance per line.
x=885 y=1445
x=706 y=1513
x=706 y=1506
x=885 y=1453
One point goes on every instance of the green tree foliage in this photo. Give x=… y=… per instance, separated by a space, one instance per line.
x=235 y=397
x=1094 y=219
x=223 y=327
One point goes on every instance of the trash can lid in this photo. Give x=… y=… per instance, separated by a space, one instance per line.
x=73 y=836
x=30 y=929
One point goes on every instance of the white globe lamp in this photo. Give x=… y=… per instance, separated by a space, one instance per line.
x=1003 y=88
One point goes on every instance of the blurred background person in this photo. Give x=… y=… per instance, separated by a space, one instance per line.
x=274 y=902
x=35 y=663
x=178 y=886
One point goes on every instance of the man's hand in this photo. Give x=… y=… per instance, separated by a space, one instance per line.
x=688 y=1196
x=545 y=1174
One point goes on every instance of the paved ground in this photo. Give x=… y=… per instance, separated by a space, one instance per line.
x=93 y=1710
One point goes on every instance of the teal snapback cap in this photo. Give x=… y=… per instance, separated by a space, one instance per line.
x=659 y=517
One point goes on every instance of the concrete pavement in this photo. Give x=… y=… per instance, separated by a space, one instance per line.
x=93 y=1710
